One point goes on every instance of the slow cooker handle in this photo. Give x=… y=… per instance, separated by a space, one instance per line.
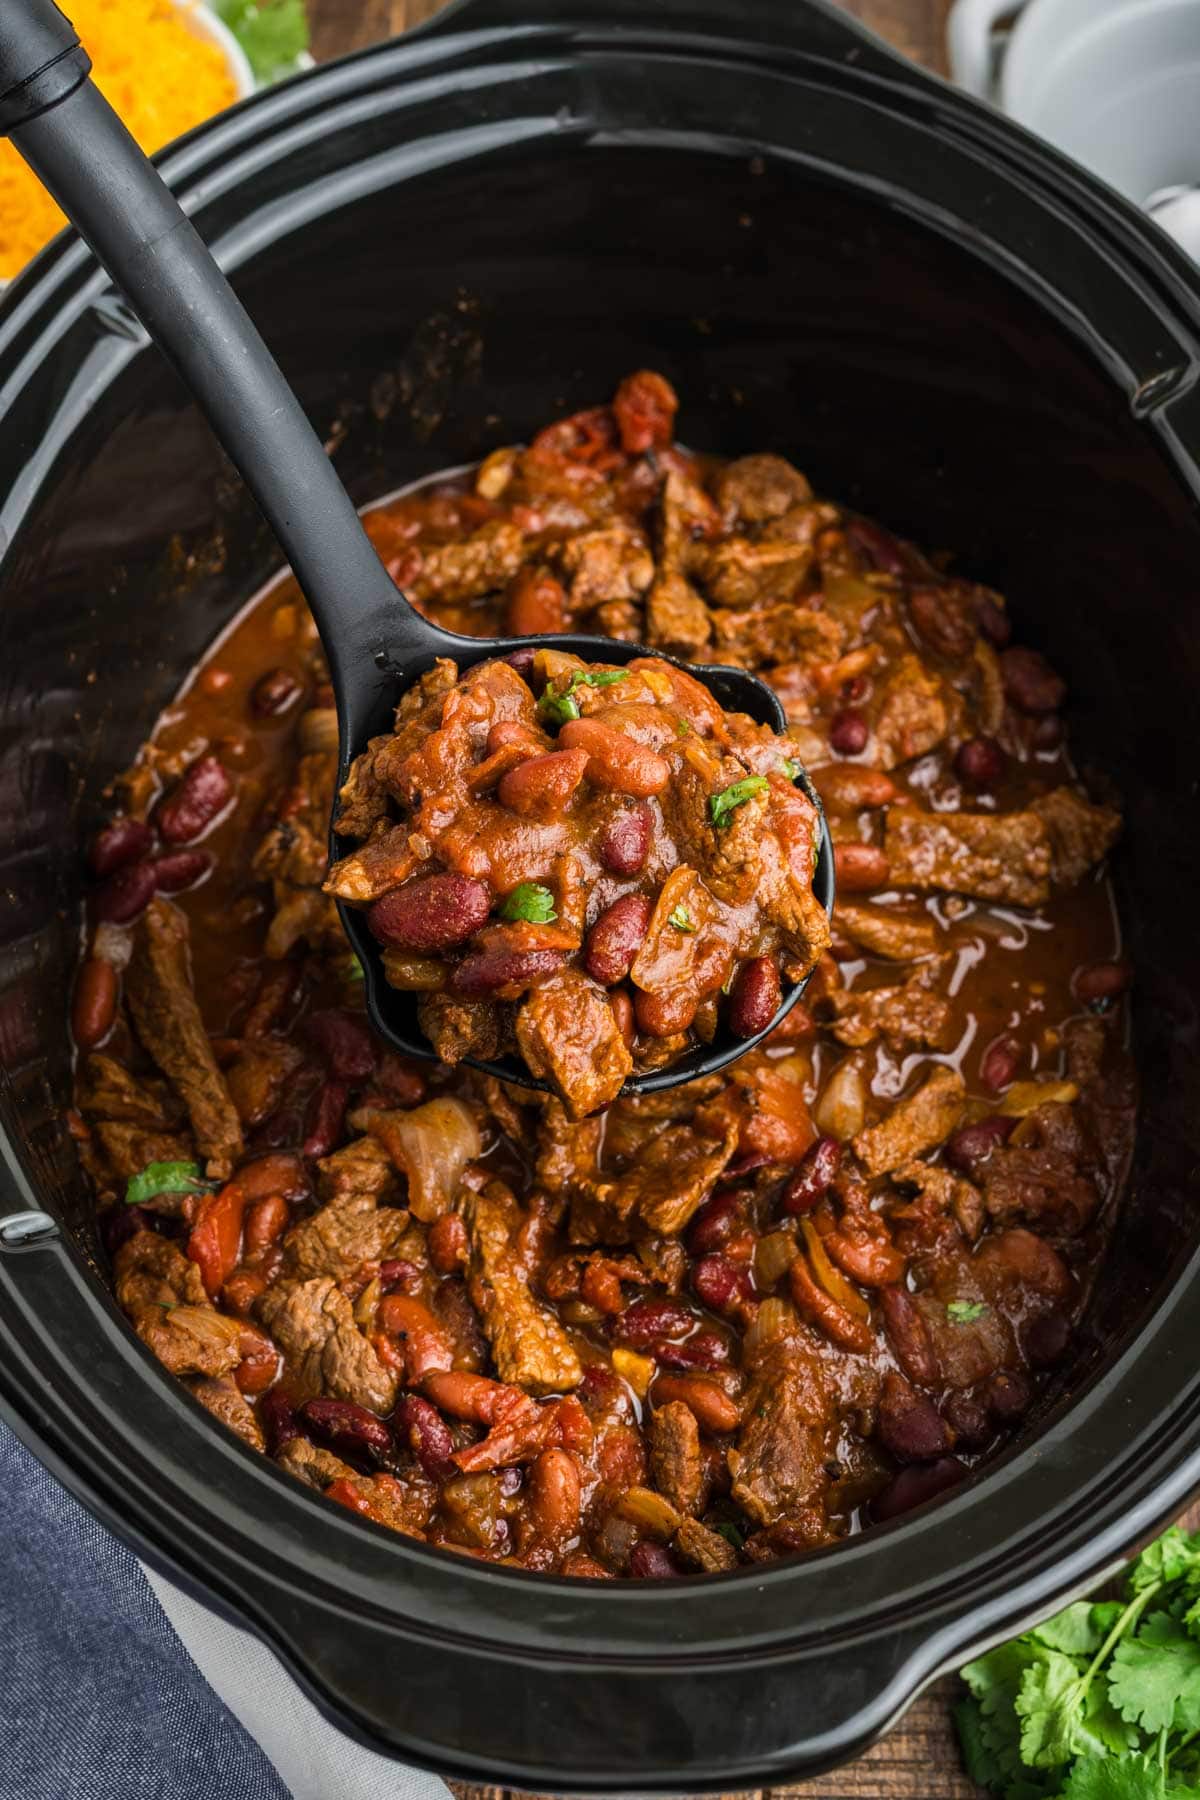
x=808 y=27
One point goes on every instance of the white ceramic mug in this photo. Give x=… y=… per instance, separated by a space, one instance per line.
x=1114 y=83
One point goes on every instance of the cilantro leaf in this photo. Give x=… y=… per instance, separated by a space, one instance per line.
x=1050 y=1706
x=531 y=902
x=964 y=1312
x=1154 y=1679
x=681 y=919
x=729 y=1531
x=721 y=805
x=995 y=1681
x=1106 y=1778
x=563 y=706
x=165 y=1178
x=1075 y=1631
x=272 y=33
x=793 y=768
x=682 y=728
x=1170 y=1557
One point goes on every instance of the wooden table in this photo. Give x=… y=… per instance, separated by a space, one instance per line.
x=919 y=1760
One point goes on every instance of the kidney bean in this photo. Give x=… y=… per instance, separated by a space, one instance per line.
x=122 y=1222
x=706 y=1350
x=200 y=796
x=399 y=1081
x=242 y=1291
x=94 y=1006
x=908 y=1335
x=427 y=1435
x=616 y=762
x=278 y=1419
x=712 y=1407
x=273 y=693
x=260 y=1360
x=522 y=662
x=875 y=546
x=969 y=1422
x=645 y=1320
x=448 y=1244
x=1045 y=1338
x=940 y=624
x=849 y=789
x=1102 y=981
x=665 y=1015
x=616 y=938
x=489 y=973
x=994 y=623
x=1047 y=733
x=820 y=1308
x=625 y=843
x=420 y=1341
x=125 y=895
x=860 y=868
x=344 y=1041
x=971 y=1145
x=873 y=1262
x=181 y=869
x=912 y=1487
x=536 y=604
x=434 y=913
x=543 y=785
x=622 y=1007
x=554 y=1493
x=265 y=1221
x=276 y=1173
x=1030 y=684
x=755 y=997
x=719 y=1283
x=909 y=1424
x=348 y=1430
x=849 y=732
x=326 y=1119
x=813 y=1176
x=999 y=1064
x=124 y=841
x=652 y=1562
x=980 y=762
x=716 y=1222
x=1007 y=1397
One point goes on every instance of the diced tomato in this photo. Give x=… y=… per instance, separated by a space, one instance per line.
x=645 y=408
x=216 y=1237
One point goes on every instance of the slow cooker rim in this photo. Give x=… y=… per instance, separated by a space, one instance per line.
x=65 y=267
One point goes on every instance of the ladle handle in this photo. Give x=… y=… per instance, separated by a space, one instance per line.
x=77 y=146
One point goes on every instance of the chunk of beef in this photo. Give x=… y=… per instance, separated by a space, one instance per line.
x=1080 y=833
x=991 y=856
x=458 y=1028
x=778 y=1463
x=676 y=1465
x=912 y=717
x=224 y=1400
x=529 y=1346
x=909 y=1017
x=569 y=1036
x=158 y=990
x=677 y=619
x=634 y=1120
x=568 y=1150
x=784 y=633
x=127 y=1149
x=612 y=563
x=106 y=1090
x=149 y=1270
x=739 y=572
x=382 y=864
x=293 y=856
x=361 y=1169
x=1047 y=1179
x=480 y=564
x=939 y=1194
x=342 y=1236
x=753 y=489
x=674 y=1173
x=315 y=1467
x=429 y=772
x=919 y=1123
x=706 y=1550
x=190 y=1340
x=259 y=1075
x=362 y=798
x=313 y=1324
x=888 y=932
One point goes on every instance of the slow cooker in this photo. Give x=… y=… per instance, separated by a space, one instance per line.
x=944 y=323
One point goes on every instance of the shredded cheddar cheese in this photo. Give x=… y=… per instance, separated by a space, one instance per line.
x=153 y=69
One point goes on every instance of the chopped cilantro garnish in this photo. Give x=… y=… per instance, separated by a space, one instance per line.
x=720 y=806
x=272 y=33
x=793 y=768
x=681 y=919
x=165 y=1178
x=964 y=1312
x=729 y=1531
x=561 y=707
x=531 y=902
x=682 y=728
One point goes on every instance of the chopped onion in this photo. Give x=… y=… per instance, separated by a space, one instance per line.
x=773 y=1257
x=774 y=1322
x=830 y=1277
x=432 y=1146
x=842 y=1107
x=649 y=1512
x=1024 y=1097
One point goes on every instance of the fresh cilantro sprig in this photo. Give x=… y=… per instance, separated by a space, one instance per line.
x=722 y=805
x=964 y=1312
x=272 y=33
x=165 y=1178
x=558 y=708
x=531 y=902
x=680 y=918
x=1102 y=1702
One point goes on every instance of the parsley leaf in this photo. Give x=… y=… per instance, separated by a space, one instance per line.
x=964 y=1312
x=531 y=902
x=272 y=33
x=721 y=805
x=681 y=919
x=563 y=706
x=165 y=1178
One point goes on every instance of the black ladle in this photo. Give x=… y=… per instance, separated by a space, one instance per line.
x=376 y=644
